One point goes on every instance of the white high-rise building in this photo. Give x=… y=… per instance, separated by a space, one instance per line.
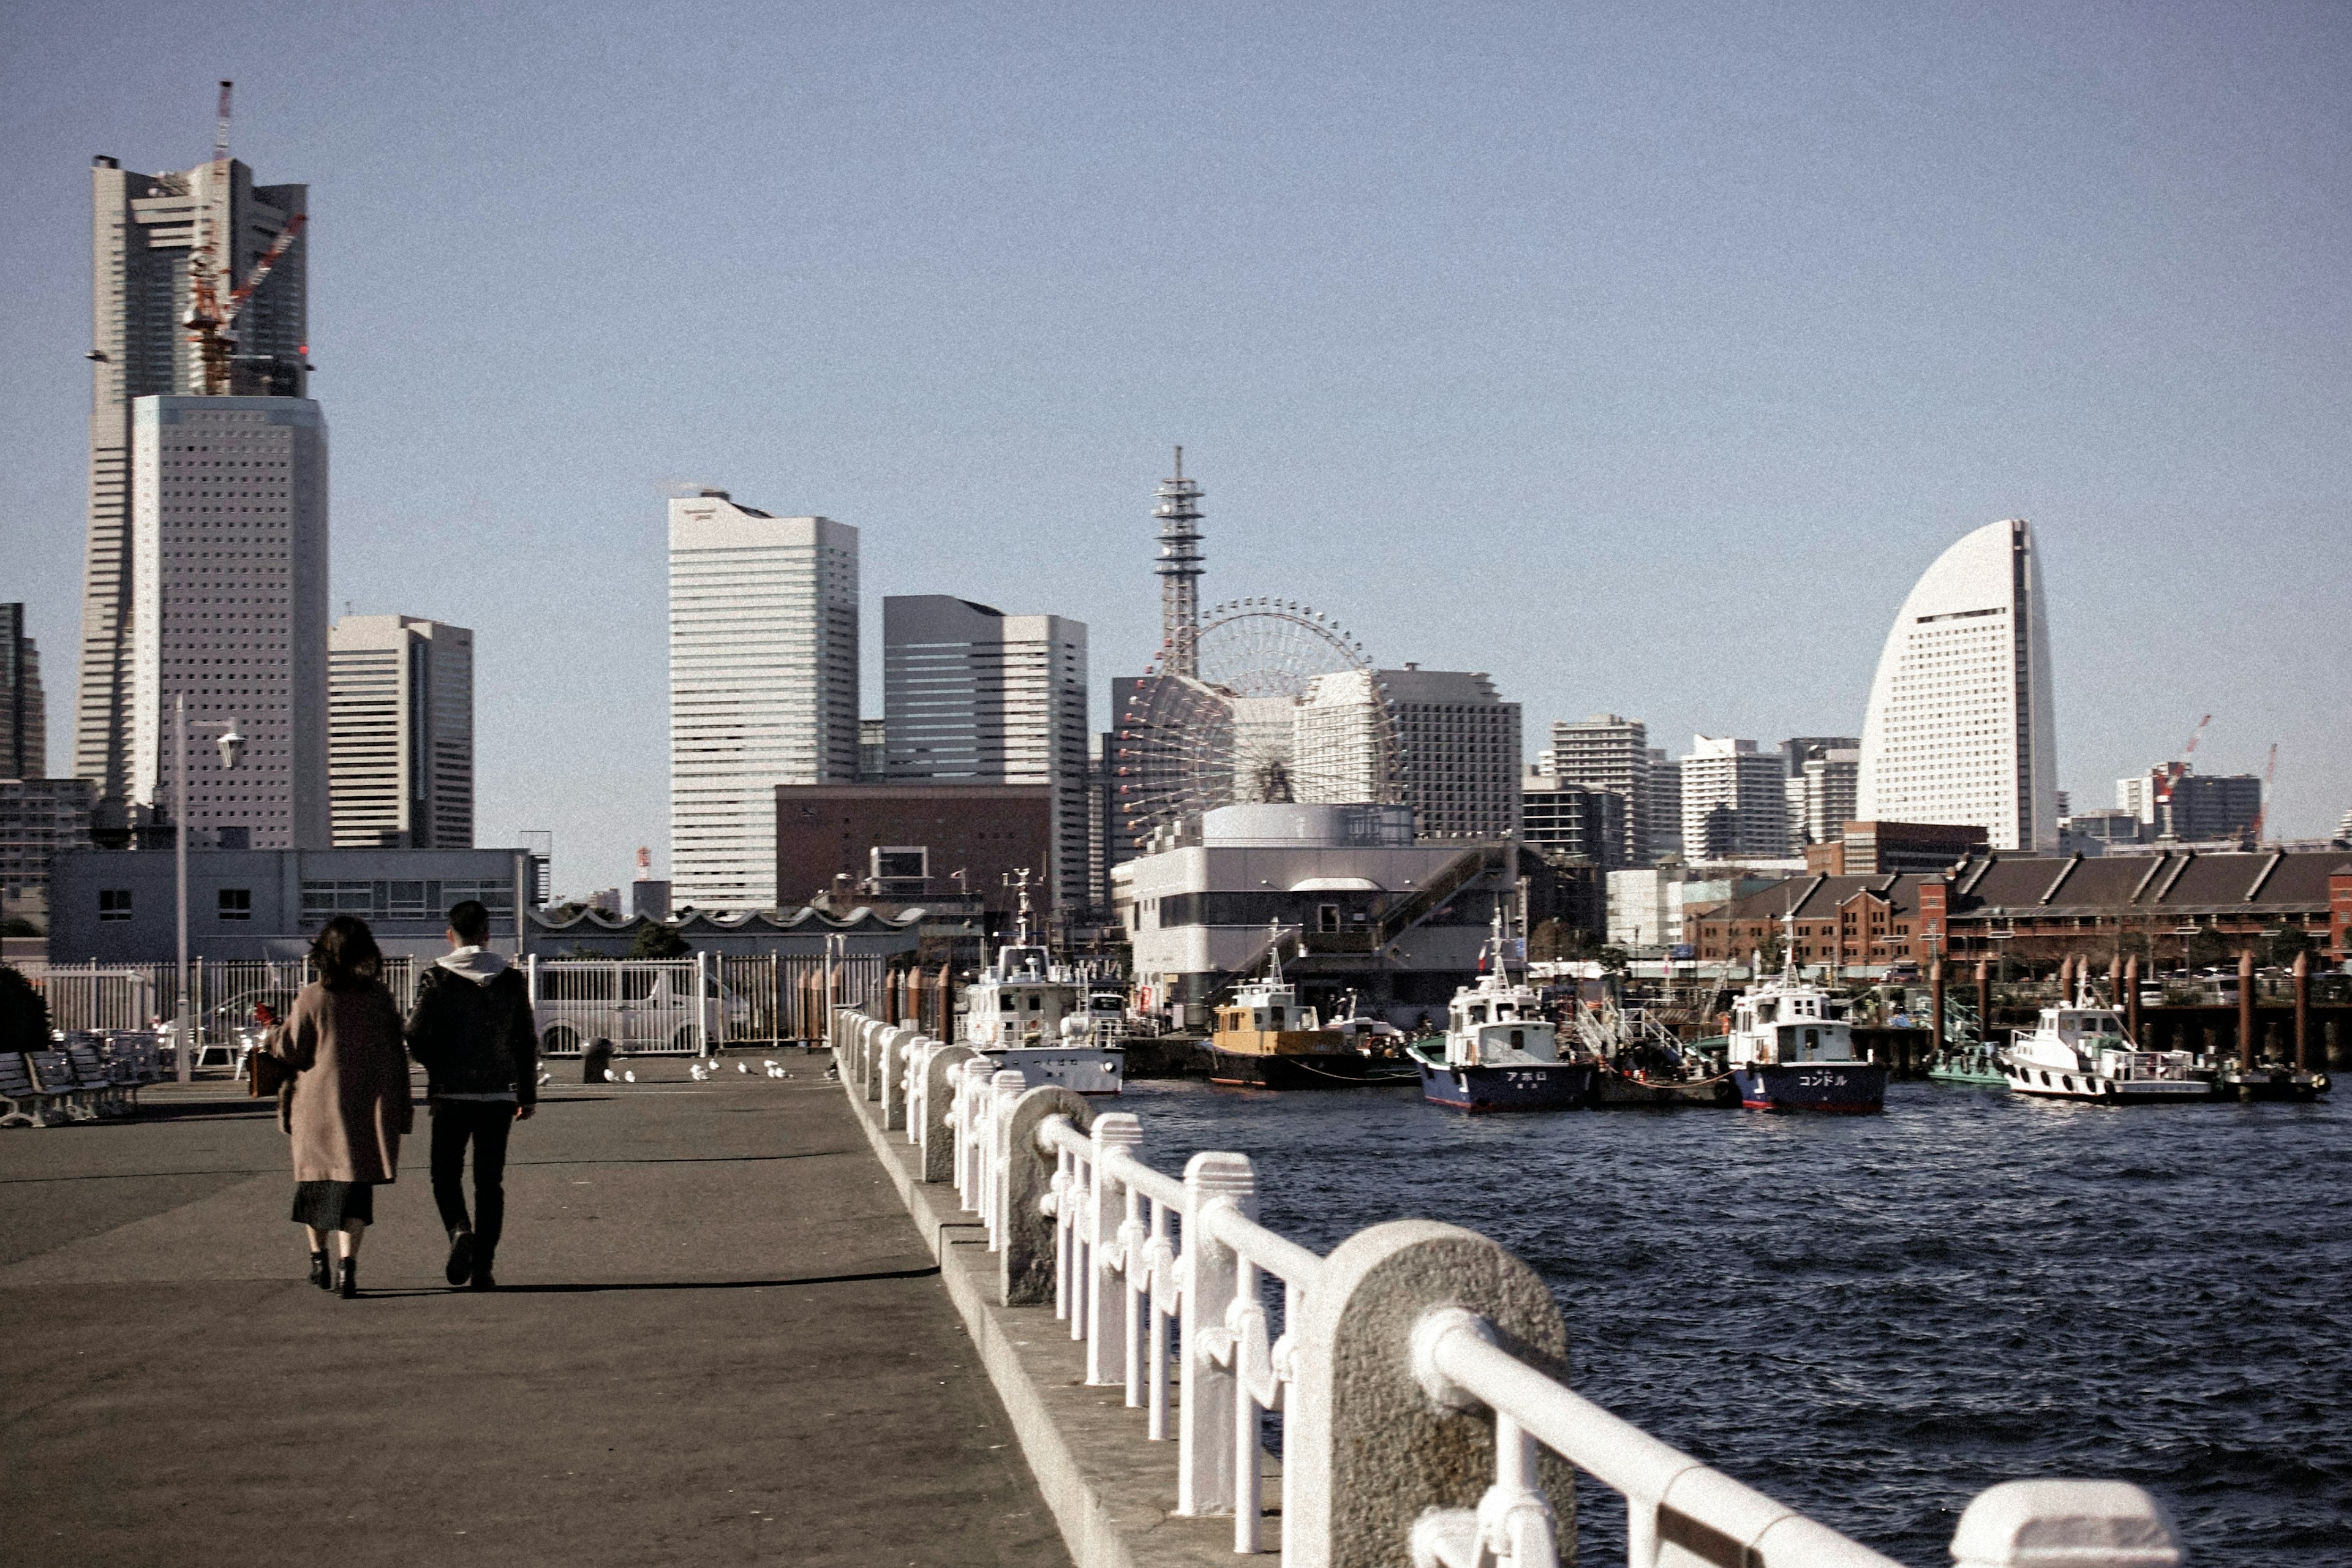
x=1457 y=751
x=1960 y=729
x=973 y=695
x=228 y=608
x=1612 y=752
x=1734 y=805
x=400 y=699
x=1821 y=794
x=763 y=686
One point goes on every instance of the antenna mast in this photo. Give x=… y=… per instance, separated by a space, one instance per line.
x=1179 y=569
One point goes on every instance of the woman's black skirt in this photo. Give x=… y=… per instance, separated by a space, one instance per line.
x=331 y=1206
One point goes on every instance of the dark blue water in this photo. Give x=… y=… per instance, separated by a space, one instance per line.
x=1873 y=1317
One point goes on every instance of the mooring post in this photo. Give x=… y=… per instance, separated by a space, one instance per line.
x=1984 y=999
x=2131 y=1006
x=2246 y=1008
x=1936 y=994
x=2303 y=1062
x=1373 y=1438
x=1204 y=1432
x=2084 y=1524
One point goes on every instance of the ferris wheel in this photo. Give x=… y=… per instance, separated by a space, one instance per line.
x=1240 y=730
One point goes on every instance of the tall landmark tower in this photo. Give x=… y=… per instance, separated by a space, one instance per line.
x=1960 y=727
x=166 y=248
x=1178 y=569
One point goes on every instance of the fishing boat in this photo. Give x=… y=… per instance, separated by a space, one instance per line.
x=1264 y=1039
x=1643 y=1063
x=1791 y=1048
x=1028 y=1013
x=1968 y=1062
x=1499 y=1051
x=2079 y=1051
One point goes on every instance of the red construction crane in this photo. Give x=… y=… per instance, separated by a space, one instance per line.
x=2195 y=735
x=211 y=320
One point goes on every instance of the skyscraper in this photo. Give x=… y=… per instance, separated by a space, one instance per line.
x=24 y=717
x=1611 y=752
x=149 y=233
x=228 y=609
x=973 y=695
x=1960 y=726
x=1733 y=802
x=1457 y=751
x=399 y=693
x=762 y=686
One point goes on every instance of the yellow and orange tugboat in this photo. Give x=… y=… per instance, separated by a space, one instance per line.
x=1264 y=1039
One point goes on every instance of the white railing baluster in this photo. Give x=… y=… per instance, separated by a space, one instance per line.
x=1106 y=1209
x=1160 y=1305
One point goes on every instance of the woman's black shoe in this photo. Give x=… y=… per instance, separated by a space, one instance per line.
x=461 y=1259
x=320 y=1275
x=347 y=1277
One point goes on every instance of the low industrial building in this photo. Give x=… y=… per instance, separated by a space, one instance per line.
x=117 y=906
x=1362 y=908
x=907 y=842
x=2038 y=908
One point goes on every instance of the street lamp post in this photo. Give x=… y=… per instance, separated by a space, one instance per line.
x=232 y=746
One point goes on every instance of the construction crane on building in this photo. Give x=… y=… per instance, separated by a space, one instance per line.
x=2195 y=735
x=212 y=316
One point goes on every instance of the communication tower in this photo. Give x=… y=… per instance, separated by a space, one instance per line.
x=1179 y=568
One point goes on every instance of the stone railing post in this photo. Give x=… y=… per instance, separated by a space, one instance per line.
x=1107 y=1333
x=1004 y=1087
x=972 y=1095
x=928 y=1117
x=2083 y=1524
x=1366 y=1449
x=874 y=1032
x=898 y=1047
x=1025 y=1252
x=1204 y=1427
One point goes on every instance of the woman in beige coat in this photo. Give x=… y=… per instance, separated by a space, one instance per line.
x=349 y=1102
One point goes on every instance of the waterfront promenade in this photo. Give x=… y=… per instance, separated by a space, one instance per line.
x=722 y=1340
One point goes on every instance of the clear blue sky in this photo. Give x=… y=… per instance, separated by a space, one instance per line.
x=1640 y=355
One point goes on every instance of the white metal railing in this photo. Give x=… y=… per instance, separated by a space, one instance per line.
x=1160 y=1279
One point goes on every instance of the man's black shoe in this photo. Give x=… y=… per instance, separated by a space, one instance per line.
x=461 y=1259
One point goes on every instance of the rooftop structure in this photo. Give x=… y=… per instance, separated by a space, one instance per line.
x=1960 y=726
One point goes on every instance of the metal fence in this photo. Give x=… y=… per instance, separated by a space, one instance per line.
x=643 y=1007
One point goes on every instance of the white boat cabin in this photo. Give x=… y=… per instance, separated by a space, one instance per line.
x=2082 y=1051
x=1788 y=1022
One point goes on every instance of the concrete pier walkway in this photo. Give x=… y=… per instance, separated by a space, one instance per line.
x=722 y=1340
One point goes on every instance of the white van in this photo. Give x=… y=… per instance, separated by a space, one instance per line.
x=642 y=1008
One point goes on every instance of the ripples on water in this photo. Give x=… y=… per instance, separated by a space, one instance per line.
x=1875 y=1317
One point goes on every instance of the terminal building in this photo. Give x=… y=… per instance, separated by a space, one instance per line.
x=1362 y=907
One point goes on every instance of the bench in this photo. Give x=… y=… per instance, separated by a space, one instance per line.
x=132 y=1055
x=91 y=1077
x=53 y=1070
x=29 y=1105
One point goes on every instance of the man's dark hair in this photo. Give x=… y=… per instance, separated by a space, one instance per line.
x=346 y=955
x=471 y=920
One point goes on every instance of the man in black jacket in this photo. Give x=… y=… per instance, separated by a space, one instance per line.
x=471 y=1029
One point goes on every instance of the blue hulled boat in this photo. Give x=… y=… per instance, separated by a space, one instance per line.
x=1791 y=1048
x=1499 y=1052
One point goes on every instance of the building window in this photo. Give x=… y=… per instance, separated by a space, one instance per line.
x=237 y=903
x=114 y=903
x=1327 y=917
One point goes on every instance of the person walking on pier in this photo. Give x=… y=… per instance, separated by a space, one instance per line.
x=349 y=1104
x=471 y=1029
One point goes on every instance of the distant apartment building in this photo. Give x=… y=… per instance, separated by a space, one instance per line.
x=763 y=686
x=1820 y=790
x=400 y=714
x=1457 y=751
x=1665 y=798
x=228 y=610
x=39 y=818
x=1885 y=848
x=1960 y=727
x=1734 y=805
x=971 y=695
x=146 y=230
x=1573 y=820
x=24 y=712
x=2176 y=803
x=1612 y=752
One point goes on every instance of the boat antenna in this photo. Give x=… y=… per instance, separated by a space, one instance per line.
x=1274 y=953
x=1018 y=881
x=1502 y=973
x=1788 y=943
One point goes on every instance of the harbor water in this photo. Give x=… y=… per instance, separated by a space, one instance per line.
x=1873 y=1317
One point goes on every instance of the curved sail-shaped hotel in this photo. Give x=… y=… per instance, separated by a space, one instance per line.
x=1960 y=726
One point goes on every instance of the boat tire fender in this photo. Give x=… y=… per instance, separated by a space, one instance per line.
x=1725 y=1092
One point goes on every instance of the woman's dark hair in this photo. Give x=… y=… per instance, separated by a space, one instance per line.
x=346 y=955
